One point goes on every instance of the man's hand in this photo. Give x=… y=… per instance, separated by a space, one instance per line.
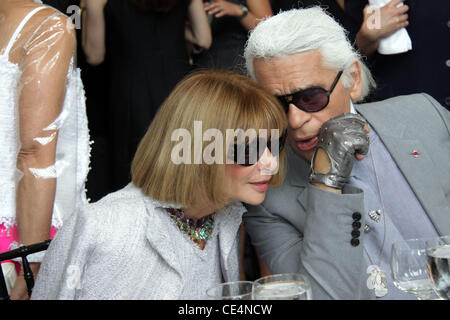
x=340 y=140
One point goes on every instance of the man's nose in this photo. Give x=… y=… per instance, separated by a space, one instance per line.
x=297 y=117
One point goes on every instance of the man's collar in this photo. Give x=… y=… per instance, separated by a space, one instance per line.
x=352 y=108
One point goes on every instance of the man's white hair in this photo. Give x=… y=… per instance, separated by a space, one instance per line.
x=304 y=30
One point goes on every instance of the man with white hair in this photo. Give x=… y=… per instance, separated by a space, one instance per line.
x=336 y=217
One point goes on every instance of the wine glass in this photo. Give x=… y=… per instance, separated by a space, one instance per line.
x=409 y=269
x=438 y=259
x=236 y=290
x=285 y=286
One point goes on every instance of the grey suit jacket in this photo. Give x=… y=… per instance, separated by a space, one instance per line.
x=119 y=248
x=300 y=228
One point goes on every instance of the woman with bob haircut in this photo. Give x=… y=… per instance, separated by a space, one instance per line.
x=174 y=231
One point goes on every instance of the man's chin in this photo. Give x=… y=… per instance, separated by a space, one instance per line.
x=305 y=154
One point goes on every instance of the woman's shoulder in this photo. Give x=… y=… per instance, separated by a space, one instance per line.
x=130 y=197
x=119 y=215
x=120 y=207
x=49 y=19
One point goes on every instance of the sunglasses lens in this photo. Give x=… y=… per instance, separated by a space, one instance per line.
x=284 y=103
x=245 y=153
x=248 y=154
x=311 y=100
x=281 y=142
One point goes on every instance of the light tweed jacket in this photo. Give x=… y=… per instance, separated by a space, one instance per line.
x=119 y=248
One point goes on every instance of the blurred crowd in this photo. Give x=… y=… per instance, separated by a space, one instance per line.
x=116 y=79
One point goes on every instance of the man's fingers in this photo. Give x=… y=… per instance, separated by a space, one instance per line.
x=359 y=156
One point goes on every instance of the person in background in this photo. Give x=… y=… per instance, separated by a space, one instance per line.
x=359 y=176
x=173 y=232
x=408 y=72
x=333 y=7
x=146 y=43
x=231 y=21
x=96 y=89
x=45 y=146
x=61 y=5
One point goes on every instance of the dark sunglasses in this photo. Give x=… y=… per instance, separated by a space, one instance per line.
x=247 y=154
x=309 y=100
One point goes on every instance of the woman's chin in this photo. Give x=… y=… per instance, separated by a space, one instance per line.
x=254 y=200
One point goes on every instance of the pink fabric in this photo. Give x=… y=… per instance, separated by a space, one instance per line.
x=8 y=236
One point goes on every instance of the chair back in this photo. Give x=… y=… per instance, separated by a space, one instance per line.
x=21 y=252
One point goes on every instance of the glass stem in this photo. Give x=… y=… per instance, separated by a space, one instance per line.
x=423 y=297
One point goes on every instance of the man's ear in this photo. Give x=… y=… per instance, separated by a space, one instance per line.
x=356 y=87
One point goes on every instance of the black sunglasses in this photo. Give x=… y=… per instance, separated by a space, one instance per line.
x=309 y=100
x=249 y=153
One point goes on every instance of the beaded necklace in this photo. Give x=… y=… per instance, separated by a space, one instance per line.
x=197 y=229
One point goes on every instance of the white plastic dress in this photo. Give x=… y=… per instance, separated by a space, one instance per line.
x=72 y=148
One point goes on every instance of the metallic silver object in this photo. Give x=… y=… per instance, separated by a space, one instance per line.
x=340 y=137
x=375 y=215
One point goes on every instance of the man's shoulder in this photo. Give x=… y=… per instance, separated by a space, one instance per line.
x=419 y=113
x=415 y=104
x=403 y=100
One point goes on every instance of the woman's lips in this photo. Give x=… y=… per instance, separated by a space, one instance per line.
x=261 y=186
x=307 y=144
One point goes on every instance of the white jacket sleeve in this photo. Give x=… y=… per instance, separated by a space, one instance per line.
x=61 y=272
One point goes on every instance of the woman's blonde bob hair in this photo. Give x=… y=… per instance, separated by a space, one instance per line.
x=221 y=100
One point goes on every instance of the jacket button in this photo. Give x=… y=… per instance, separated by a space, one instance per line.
x=356 y=225
x=356 y=216
x=356 y=233
x=354 y=242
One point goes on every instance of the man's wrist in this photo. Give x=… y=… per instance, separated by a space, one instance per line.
x=321 y=166
x=322 y=163
x=326 y=188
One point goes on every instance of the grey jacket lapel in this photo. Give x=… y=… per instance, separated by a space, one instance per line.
x=418 y=171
